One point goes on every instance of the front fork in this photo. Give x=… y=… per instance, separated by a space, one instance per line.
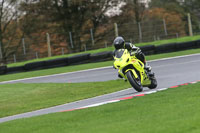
x=124 y=76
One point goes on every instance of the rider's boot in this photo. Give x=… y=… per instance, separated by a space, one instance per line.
x=147 y=67
x=148 y=70
x=120 y=76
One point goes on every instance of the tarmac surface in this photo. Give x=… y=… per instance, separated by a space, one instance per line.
x=169 y=72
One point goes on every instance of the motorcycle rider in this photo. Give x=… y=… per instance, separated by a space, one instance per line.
x=119 y=43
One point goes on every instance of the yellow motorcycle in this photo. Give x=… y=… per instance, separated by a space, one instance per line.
x=132 y=69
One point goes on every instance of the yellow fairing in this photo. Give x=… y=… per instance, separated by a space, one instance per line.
x=140 y=67
x=125 y=62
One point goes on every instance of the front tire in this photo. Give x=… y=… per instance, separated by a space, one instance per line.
x=135 y=83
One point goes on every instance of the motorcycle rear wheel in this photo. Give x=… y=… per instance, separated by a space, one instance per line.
x=153 y=83
x=135 y=83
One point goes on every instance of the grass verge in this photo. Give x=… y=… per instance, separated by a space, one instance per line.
x=156 y=43
x=86 y=66
x=20 y=98
x=172 y=111
x=173 y=40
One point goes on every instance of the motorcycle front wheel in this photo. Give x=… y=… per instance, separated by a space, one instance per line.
x=135 y=83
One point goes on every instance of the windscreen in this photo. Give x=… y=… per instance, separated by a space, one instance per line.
x=119 y=53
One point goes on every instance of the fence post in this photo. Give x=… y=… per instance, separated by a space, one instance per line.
x=140 y=32
x=165 y=27
x=48 y=45
x=63 y=51
x=92 y=36
x=24 y=48
x=71 y=41
x=177 y=36
x=85 y=47
x=116 y=30
x=14 y=57
x=190 y=25
x=106 y=44
x=36 y=55
x=154 y=37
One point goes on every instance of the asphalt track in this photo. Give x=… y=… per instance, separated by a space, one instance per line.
x=169 y=72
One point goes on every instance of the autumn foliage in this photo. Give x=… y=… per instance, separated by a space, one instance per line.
x=174 y=21
x=83 y=19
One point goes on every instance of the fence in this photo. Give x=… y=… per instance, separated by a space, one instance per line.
x=52 y=44
x=96 y=57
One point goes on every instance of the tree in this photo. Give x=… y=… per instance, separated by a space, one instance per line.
x=183 y=8
x=34 y=24
x=173 y=21
x=130 y=19
x=77 y=17
x=8 y=28
x=193 y=7
x=80 y=16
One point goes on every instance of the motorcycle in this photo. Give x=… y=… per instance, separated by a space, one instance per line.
x=132 y=69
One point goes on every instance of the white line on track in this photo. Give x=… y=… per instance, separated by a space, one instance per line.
x=117 y=100
x=99 y=104
x=93 y=69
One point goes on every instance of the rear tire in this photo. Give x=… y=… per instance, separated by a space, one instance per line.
x=135 y=83
x=153 y=83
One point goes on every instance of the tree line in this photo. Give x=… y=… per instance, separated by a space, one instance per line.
x=32 y=19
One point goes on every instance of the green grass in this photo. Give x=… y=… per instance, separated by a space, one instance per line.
x=182 y=39
x=175 y=110
x=173 y=54
x=86 y=66
x=174 y=40
x=19 y=98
